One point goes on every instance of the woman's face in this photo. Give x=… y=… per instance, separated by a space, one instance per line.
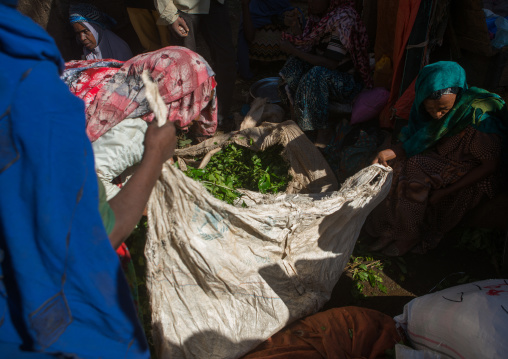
x=438 y=108
x=318 y=7
x=85 y=36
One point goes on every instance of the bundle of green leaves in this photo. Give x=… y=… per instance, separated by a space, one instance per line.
x=239 y=167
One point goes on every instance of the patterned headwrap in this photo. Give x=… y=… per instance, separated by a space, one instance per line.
x=89 y=13
x=436 y=95
x=475 y=107
x=340 y=16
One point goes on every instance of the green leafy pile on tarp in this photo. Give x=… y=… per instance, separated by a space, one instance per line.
x=239 y=167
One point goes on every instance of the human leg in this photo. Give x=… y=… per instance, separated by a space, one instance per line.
x=404 y=219
x=291 y=74
x=242 y=56
x=216 y=29
x=143 y=23
x=164 y=33
x=315 y=90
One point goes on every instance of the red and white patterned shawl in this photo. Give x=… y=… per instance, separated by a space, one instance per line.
x=113 y=90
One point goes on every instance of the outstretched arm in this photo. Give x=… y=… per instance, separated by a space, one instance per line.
x=486 y=168
x=312 y=59
x=486 y=148
x=128 y=205
x=248 y=28
x=169 y=14
x=167 y=10
x=389 y=154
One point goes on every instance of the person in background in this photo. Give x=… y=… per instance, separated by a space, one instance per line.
x=257 y=14
x=328 y=62
x=92 y=31
x=188 y=18
x=62 y=290
x=448 y=160
x=144 y=21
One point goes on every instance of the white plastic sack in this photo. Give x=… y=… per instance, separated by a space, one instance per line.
x=117 y=150
x=467 y=321
x=223 y=279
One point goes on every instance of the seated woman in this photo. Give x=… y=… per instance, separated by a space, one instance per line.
x=260 y=29
x=91 y=28
x=447 y=161
x=117 y=110
x=319 y=69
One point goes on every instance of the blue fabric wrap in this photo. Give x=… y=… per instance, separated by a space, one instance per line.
x=83 y=12
x=262 y=10
x=63 y=289
x=73 y=19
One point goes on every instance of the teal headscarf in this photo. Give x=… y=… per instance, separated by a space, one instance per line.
x=474 y=107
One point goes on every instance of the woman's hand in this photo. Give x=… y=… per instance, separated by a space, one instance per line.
x=129 y=204
x=384 y=156
x=160 y=142
x=287 y=47
x=315 y=60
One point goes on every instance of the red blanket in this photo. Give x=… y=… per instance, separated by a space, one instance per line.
x=113 y=90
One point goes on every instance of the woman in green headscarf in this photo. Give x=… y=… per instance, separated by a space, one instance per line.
x=448 y=159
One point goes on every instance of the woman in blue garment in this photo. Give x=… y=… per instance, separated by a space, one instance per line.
x=62 y=290
x=257 y=14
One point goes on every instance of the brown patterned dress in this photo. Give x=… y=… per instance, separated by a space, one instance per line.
x=406 y=220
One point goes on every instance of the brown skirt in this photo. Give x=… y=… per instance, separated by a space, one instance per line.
x=406 y=220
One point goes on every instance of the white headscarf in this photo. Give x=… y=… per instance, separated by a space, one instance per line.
x=109 y=45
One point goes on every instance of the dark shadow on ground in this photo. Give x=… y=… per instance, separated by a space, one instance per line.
x=416 y=275
x=207 y=344
x=342 y=296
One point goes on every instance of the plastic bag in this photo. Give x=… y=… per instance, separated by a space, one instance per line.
x=118 y=150
x=467 y=321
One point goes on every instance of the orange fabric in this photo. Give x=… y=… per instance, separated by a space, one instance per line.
x=386 y=24
x=385 y=35
x=341 y=333
x=405 y=102
x=406 y=16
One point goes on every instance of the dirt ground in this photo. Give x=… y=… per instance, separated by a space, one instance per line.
x=415 y=275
